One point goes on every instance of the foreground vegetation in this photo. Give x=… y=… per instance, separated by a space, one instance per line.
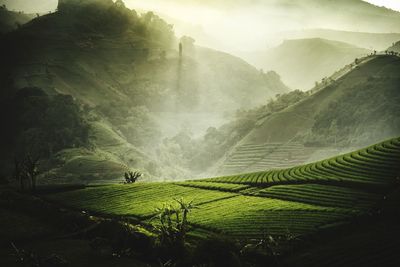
x=286 y=207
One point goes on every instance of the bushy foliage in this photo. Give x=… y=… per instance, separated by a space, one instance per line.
x=132 y=177
x=110 y=18
x=41 y=124
x=134 y=122
x=173 y=223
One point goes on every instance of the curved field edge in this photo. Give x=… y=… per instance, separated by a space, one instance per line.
x=375 y=166
x=248 y=206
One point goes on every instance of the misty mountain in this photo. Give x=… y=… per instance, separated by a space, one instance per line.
x=252 y=25
x=302 y=62
x=123 y=71
x=372 y=41
x=340 y=14
x=357 y=109
x=11 y=20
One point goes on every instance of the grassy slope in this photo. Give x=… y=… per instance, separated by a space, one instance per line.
x=301 y=62
x=277 y=140
x=300 y=117
x=301 y=201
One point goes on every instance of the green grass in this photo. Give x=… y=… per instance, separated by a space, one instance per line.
x=215 y=186
x=83 y=166
x=251 y=217
x=377 y=165
x=330 y=196
x=138 y=200
x=300 y=200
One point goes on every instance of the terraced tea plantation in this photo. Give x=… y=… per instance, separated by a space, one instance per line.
x=298 y=201
x=259 y=157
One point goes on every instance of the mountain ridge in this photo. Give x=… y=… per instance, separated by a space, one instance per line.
x=302 y=62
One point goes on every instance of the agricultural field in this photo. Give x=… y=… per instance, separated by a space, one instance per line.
x=258 y=157
x=299 y=201
x=373 y=166
x=138 y=200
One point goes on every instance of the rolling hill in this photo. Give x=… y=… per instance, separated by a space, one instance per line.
x=302 y=62
x=357 y=109
x=325 y=202
x=125 y=70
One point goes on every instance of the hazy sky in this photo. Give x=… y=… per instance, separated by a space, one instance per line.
x=244 y=28
x=393 y=4
x=45 y=5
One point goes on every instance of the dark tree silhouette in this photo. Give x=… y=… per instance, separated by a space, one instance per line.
x=27 y=169
x=31 y=165
x=132 y=177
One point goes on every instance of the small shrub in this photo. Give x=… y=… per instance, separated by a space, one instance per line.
x=132 y=177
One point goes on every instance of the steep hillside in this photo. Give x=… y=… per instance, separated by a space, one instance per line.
x=368 y=40
x=125 y=70
x=302 y=62
x=11 y=20
x=357 y=109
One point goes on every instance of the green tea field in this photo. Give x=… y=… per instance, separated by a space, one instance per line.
x=299 y=201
